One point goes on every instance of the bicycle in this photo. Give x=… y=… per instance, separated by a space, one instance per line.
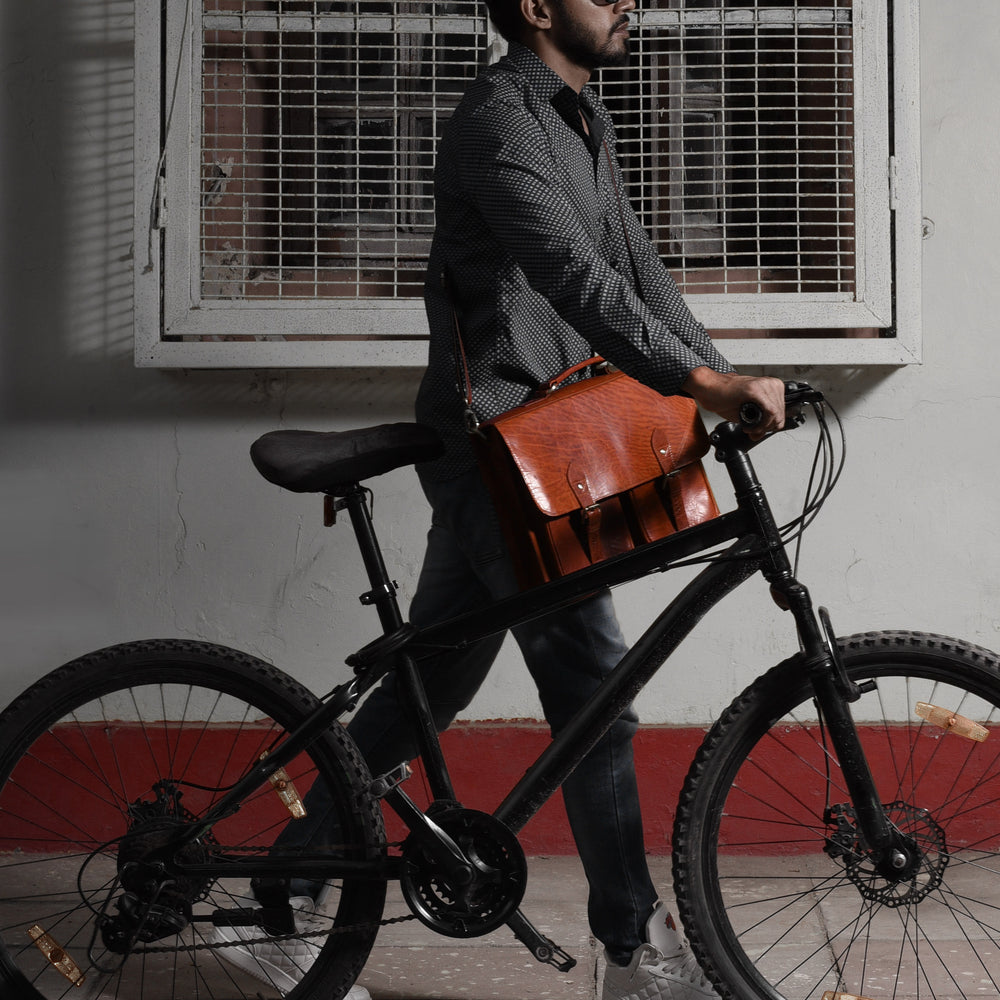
x=148 y=780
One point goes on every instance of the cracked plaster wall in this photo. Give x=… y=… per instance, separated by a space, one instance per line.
x=131 y=509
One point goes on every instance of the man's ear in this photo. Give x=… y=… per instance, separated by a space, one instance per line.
x=536 y=14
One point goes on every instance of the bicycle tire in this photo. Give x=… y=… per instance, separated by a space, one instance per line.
x=773 y=884
x=104 y=754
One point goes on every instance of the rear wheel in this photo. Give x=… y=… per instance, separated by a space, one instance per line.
x=106 y=759
x=775 y=884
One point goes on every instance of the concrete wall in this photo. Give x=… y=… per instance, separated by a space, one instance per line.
x=130 y=507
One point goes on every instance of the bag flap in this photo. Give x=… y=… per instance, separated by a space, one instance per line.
x=592 y=439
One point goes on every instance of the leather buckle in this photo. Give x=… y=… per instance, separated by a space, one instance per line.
x=471 y=422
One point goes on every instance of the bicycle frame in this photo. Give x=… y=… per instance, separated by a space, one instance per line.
x=756 y=546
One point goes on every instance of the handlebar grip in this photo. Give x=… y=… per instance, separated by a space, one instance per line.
x=750 y=414
x=796 y=393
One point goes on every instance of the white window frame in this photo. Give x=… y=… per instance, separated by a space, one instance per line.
x=385 y=332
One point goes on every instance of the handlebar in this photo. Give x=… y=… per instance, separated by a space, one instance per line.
x=796 y=394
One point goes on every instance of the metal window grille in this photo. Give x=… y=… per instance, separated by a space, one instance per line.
x=319 y=126
x=771 y=149
x=737 y=126
x=320 y=119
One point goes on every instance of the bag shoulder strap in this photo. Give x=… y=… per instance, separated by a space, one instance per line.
x=463 y=380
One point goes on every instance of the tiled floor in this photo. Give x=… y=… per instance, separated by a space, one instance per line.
x=411 y=962
x=959 y=957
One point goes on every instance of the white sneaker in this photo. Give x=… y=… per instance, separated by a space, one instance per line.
x=662 y=969
x=280 y=963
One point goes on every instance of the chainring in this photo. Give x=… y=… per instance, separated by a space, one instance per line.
x=491 y=896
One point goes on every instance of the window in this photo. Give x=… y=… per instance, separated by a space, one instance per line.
x=770 y=149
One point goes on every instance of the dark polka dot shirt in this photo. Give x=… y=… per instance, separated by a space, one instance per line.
x=530 y=250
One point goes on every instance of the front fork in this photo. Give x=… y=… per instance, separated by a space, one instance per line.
x=893 y=854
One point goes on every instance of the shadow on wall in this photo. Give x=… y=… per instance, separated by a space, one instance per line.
x=66 y=172
x=67 y=205
x=33 y=168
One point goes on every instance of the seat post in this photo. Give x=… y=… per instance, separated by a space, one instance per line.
x=383 y=592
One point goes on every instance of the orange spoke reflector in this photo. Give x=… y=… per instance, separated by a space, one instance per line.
x=830 y=995
x=57 y=958
x=287 y=792
x=951 y=722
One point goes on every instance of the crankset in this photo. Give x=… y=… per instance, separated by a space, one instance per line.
x=485 y=895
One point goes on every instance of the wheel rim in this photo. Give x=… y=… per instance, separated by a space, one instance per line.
x=87 y=800
x=796 y=895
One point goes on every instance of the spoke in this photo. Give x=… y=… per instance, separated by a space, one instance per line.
x=960 y=859
x=826 y=945
x=962 y=905
x=86 y=842
x=913 y=934
x=861 y=922
x=201 y=731
x=117 y=801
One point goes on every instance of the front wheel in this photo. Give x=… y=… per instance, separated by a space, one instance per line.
x=106 y=760
x=774 y=881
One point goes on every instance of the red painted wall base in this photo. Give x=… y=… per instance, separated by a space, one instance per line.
x=54 y=800
x=486 y=759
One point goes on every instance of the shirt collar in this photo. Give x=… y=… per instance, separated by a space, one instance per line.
x=550 y=86
x=544 y=80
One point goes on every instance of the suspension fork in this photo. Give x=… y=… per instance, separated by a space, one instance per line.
x=894 y=854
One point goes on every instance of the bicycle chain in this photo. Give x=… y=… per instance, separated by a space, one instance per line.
x=243 y=942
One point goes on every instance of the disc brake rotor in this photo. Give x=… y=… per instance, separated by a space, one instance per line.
x=845 y=843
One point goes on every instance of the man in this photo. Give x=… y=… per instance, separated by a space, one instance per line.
x=545 y=264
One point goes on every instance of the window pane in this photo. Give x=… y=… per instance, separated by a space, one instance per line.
x=319 y=127
x=736 y=123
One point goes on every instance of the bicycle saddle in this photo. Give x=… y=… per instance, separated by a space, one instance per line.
x=332 y=461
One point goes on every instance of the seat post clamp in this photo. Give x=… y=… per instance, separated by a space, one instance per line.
x=386 y=590
x=331 y=506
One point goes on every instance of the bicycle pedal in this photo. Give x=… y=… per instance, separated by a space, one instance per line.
x=385 y=783
x=538 y=944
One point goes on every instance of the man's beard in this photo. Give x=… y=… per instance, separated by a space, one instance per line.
x=586 y=50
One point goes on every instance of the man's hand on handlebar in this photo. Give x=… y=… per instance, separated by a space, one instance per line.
x=726 y=393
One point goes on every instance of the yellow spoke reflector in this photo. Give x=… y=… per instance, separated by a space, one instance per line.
x=951 y=722
x=287 y=792
x=58 y=959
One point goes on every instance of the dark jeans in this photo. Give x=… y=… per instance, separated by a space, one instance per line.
x=567 y=653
